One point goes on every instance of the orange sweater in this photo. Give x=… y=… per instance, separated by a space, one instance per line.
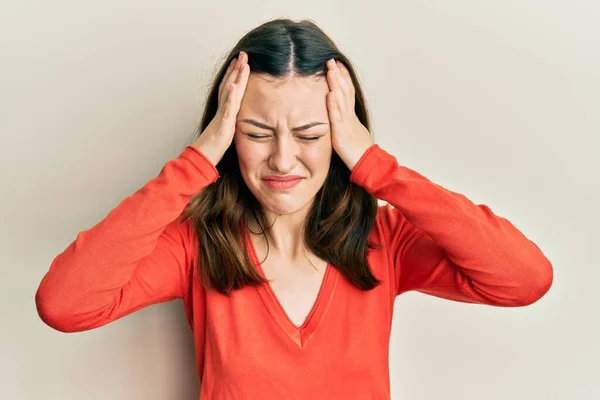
x=435 y=241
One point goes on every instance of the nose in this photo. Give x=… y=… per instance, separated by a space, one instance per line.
x=284 y=153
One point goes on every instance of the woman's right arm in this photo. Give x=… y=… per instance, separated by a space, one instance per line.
x=139 y=254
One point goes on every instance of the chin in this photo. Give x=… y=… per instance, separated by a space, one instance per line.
x=283 y=209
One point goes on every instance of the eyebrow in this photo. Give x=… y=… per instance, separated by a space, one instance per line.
x=296 y=129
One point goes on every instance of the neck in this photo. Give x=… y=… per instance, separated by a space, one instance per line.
x=285 y=237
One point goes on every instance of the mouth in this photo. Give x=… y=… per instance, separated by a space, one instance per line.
x=282 y=184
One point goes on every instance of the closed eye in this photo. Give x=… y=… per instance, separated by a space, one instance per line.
x=306 y=138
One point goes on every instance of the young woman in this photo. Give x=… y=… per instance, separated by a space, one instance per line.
x=268 y=228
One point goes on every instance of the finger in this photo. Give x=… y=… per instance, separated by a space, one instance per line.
x=236 y=93
x=226 y=77
x=332 y=107
x=346 y=75
x=334 y=86
x=241 y=84
x=233 y=74
x=342 y=81
x=228 y=107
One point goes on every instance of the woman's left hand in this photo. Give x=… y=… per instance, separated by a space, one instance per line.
x=349 y=137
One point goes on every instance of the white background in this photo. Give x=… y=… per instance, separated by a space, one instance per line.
x=495 y=100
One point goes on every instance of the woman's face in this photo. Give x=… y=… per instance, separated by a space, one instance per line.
x=284 y=105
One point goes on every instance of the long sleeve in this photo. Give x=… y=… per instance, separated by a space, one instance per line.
x=139 y=254
x=442 y=244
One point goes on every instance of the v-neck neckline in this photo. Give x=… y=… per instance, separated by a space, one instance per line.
x=300 y=335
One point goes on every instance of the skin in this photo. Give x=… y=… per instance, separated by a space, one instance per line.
x=283 y=105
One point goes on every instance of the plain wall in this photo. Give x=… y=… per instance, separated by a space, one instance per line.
x=495 y=100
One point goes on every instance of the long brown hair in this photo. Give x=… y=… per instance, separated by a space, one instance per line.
x=342 y=214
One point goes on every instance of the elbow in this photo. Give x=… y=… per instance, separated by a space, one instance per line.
x=52 y=313
x=537 y=284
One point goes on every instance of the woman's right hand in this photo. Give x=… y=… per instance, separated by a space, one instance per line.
x=218 y=135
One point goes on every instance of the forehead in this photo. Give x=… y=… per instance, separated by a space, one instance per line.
x=293 y=97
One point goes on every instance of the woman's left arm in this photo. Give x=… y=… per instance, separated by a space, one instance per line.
x=441 y=243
